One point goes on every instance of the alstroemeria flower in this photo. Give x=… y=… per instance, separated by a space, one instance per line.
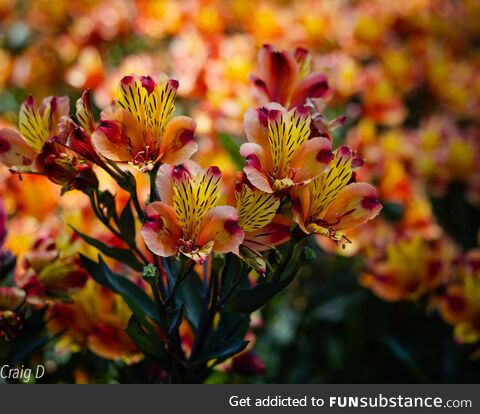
x=37 y=124
x=140 y=128
x=188 y=220
x=263 y=227
x=46 y=272
x=78 y=135
x=285 y=77
x=459 y=301
x=279 y=153
x=95 y=319
x=330 y=203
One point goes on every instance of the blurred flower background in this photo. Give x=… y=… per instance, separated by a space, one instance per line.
x=400 y=303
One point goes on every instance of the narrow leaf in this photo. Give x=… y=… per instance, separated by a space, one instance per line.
x=126 y=224
x=225 y=350
x=122 y=255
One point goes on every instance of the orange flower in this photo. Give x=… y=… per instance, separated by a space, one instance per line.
x=459 y=305
x=285 y=77
x=37 y=124
x=279 y=153
x=407 y=268
x=96 y=319
x=45 y=272
x=263 y=227
x=330 y=203
x=188 y=220
x=140 y=128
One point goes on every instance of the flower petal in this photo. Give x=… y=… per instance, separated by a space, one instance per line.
x=133 y=97
x=311 y=159
x=255 y=122
x=84 y=112
x=14 y=151
x=279 y=70
x=161 y=103
x=110 y=140
x=220 y=225
x=255 y=208
x=52 y=109
x=286 y=132
x=164 y=183
x=301 y=205
x=161 y=232
x=178 y=144
x=31 y=124
x=273 y=234
x=314 y=85
x=354 y=205
x=326 y=187
x=194 y=196
x=255 y=169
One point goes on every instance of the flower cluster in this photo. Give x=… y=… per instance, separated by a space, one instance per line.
x=206 y=188
x=293 y=184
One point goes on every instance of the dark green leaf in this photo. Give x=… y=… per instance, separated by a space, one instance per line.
x=175 y=319
x=231 y=325
x=225 y=350
x=106 y=202
x=190 y=294
x=136 y=298
x=24 y=349
x=248 y=300
x=392 y=211
x=149 y=343
x=126 y=224
x=122 y=255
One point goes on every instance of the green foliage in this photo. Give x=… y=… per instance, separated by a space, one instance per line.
x=138 y=301
x=125 y=256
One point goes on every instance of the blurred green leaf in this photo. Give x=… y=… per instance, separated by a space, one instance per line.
x=392 y=211
x=232 y=146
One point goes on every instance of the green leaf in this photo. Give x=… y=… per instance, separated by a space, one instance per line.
x=190 y=294
x=225 y=350
x=106 y=201
x=392 y=211
x=232 y=145
x=175 y=319
x=136 y=298
x=149 y=343
x=248 y=300
x=22 y=350
x=122 y=255
x=126 y=224
x=231 y=325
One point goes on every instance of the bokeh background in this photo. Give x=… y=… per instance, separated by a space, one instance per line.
x=402 y=302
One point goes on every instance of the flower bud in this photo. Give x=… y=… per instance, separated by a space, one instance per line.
x=150 y=273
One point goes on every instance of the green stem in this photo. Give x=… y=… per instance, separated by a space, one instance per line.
x=208 y=312
x=154 y=196
x=99 y=214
